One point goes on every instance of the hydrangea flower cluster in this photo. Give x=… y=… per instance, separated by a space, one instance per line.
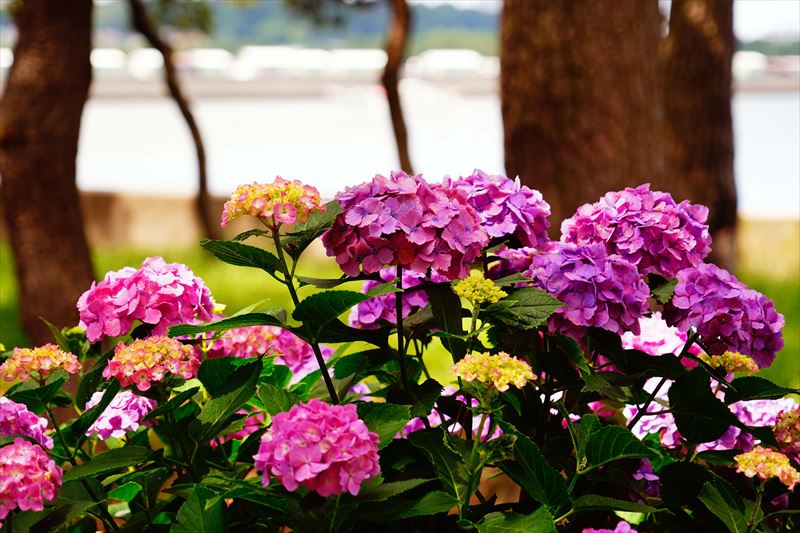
x=125 y=413
x=765 y=464
x=497 y=371
x=645 y=227
x=622 y=527
x=731 y=362
x=159 y=293
x=787 y=432
x=370 y=313
x=405 y=221
x=287 y=201
x=28 y=477
x=16 y=419
x=38 y=363
x=506 y=207
x=727 y=315
x=146 y=361
x=478 y=290
x=599 y=290
x=326 y=448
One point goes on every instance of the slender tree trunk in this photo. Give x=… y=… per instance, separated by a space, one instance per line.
x=580 y=97
x=395 y=50
x=142 y=23
x=40 y=117
x=696 y=59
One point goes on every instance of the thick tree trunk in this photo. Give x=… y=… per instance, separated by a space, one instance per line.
x=142 y=23
x=40 y=117
x=696 y=59
x=396 y=41
x=580 y=97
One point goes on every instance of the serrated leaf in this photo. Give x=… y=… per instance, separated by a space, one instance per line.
x=385 y=419
x=755 y=388
x=699 y=414
x=275 y=399
x=595 y=502
x=531 y=471
x=215 y=414
x=236 y=253
x=524 y=308
x=612 y=443
x=220 y=326
x=389 y=287
x=446 y=309
x=663 y=293
x=108 y=462
x=214 y=373
x=173 y=403
x=319 y=309
x=541 y=521
x=722 y=500
x=201 y=513
x=581 y=431
x=448 y=466
x=251 y=233
x=304 y=234
x=433 y=503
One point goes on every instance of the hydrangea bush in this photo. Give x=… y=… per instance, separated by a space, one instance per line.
x=606 y=381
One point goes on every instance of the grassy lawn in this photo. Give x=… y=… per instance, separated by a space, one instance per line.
x=770 y=263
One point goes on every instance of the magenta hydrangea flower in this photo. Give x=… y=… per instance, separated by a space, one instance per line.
x=159 y=293
x=727 y=315
x=125 y=413
x=16 y=419
x=598 y=290
x=405 y=221
x=326 y=448
x=28 y=477
x=622 y=527
x=506 y=207
x=645 y=227
x=370 y=313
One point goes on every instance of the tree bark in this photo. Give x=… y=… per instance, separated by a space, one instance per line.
x=396 y=41
x=696 y=59
x=40 y=117
x=580 y=97
x=142 y=23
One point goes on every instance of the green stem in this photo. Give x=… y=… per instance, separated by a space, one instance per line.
x=289 y=281
x=757 y=505
x=398 y=305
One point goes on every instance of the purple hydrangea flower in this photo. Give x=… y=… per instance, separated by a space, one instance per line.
x=16 y=419
x=370 y=313
x=648 y=479
x=405 y=221
x=599 y=290
x=645 y=227
x=506 y=207
x=125 y=413
x=727 y=315
x=159 y=293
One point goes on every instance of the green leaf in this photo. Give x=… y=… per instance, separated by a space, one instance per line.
x=37 y=398
x=384 y=491
x=663 y=293
x=699 y=414
x=201 y=513
x=446 y=308
x=531 y=471
x=595 y=502
x=389 y=287
x=681 y=482
x=524 y=308
x=573 y=351
x=304 y=234
x=215 y=414
x=90 y=382
x=214 y=373
x=236 y=253
x=324 y=283
x=449 y=467
x=582 y=431
x=511 y=279
x=722 y=500
x=398 y=509
x=613 y=442
x=251 y=233
x=84 y=422
x=323 y=307
x=275 y=399
x=173 y=403
x=220 y=326
x=540 y=521
x=755 y=388
x=108 y=462
x=385 y=419
x=126 y=492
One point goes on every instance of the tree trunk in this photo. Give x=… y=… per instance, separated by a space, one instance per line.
x=696 y=59
x=142 y=23
x=580 y=97
x=40 y=117
x=396 y=41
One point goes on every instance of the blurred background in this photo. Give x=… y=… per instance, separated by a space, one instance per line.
x=125 y=123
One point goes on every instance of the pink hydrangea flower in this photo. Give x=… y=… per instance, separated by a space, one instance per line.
x=727 y=315
x=622 y=527
x=28 y=477
x=405 y=221
x=158 y=293
x=38 y=363
x=645 y=227
x=281 y=201
x=326 y=448
x=506 y=207
x=370 y=313
x=16 y=419
x=146 y=361
x=125 y=413
x=766 y=464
